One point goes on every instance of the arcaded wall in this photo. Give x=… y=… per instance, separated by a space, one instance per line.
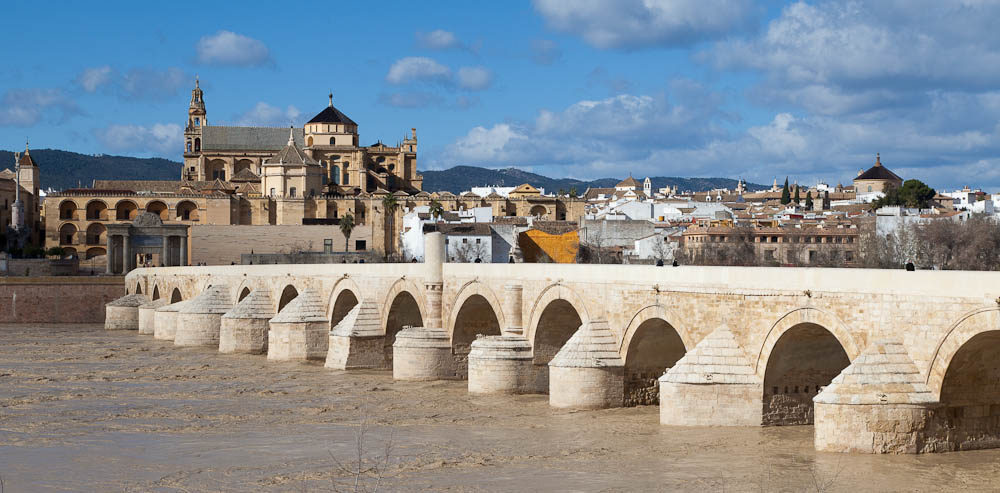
x=58 y=299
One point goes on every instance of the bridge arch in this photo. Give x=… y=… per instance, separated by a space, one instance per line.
x=555 y=316
x=403 y=306
x=980 y=322
x=243 y=289
x=802 y=352
x=476 y=311
x=176 y=296
x=346 y=293
x=473 y=289
x=138 y=286
x=288 y=293
x=651 y=344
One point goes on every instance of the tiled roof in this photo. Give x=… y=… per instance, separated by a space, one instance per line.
x=169 y=186
x=555 y=227
x=878 y=172
x=461 y=229
x=291 y=154
x=216 y=138
x=245 y=175
x=331 y=114
x=628 y=182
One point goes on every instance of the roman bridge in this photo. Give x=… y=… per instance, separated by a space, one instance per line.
x=882 y=361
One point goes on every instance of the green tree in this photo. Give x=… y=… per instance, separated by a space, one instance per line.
x=346 y=226
x=573 y=192
x=436 y=210
x=786 y=197
x=562 y=192
x=389 y=207
x=913 y=193
x=809 y=200
x=797 y=199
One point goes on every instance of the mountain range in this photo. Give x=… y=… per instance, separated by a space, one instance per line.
x=63 y=169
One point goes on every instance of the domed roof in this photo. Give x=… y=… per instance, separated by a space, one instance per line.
x=878 y=172
x=331 y=114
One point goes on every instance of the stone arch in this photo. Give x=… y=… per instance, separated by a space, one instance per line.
x=67 y=233
x=187 y=211
x=966 y=328
x=69 y=252
x=215 y=169
x=242 y=164
x=97 y=210
x=288 y=293
x=468 y=290
x=539 y=211
x=346 y=293
x=475 y=312
x=159 y=208
x=176 y=296
x=95 y=252
x=651 y=344
x=402 y=308
x=551 y=293
x=802 y=353
x=243 y=294
x=126 y=210
x=156 y=292
x=138 y=287
x=400 y=285
x=96 y=234
x=67 y=210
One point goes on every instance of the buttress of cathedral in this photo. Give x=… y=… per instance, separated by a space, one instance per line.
x=330 y=140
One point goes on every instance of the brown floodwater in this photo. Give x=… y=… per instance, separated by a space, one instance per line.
x=83 y=409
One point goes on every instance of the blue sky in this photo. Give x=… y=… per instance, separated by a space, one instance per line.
x=587 y=89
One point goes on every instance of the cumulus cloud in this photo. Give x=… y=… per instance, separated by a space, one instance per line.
x=226 y=48
x=158 y=139
x=28 y=107
x=265 y=114
x=154 y=84
x=474 y=78
x=634 y=24
x=438 y=39
x=416 y=68
x=93 y=78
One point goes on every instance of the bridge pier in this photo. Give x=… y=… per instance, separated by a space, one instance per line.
x=588 y=373
x=147 y=316
x=504 y=365
x=423 y=353
x=199 y=322
x=358 y=340
x=166 y=321
x=712 y=385
x=123 y=313
x=299 y=331
x=244 y=328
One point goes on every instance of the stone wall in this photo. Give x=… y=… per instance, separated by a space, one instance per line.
x=57 y=299
x=223 y=245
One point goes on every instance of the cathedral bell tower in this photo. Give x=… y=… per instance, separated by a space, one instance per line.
x=197 y=119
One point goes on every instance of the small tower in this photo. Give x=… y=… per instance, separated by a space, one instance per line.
x=197 y=119
x=647 y=187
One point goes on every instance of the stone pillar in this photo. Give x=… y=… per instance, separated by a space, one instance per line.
x=147 y=316
x=165 y=251
x=358 y=341
x=512 y=307
x=110 y=254
x=123 y=313
x=184 y=250
x=199 y=322
x=588 y=373
x=504 y=365
x=244 y=328
x=422 y=353
x=300 y=331
x=126 y=258
x=434 y=255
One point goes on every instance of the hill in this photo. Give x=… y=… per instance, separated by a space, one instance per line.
x=462 y=178
x=63 y=169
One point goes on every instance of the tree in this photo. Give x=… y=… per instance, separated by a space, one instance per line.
x=562 y=192
x=809 y=200
x=797 y=199
x=436 y=210
x=573 y=192
x=786 y=197
x=389 y=207
x=346 y=226
x=913 y=193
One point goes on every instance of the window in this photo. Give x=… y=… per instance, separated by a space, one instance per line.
x=197 y=122
x=291 y=193
x=328 y=245
x=769 y=254
x=465 y=240
x=359 y=245
x=272 y=192
x=478 y=241
x=346 y=179
x=869 y=188
x=812 y=255
x=849 y=255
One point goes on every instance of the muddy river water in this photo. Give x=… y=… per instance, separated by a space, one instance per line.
x=83 y=409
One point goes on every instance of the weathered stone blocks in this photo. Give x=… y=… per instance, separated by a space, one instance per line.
x=300 y=331
x=199 y=322
x=147 y=316
x=588 y=373
x=504 y=365
x=358 y=340
x=423 y=353
x=123 y=313
x=244 y=328
x=166 y=321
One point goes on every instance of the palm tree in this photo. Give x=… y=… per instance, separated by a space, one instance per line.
x=389 y=206
x=346 y=226
x=436 y=210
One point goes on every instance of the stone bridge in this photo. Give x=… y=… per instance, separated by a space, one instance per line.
x=881 y=361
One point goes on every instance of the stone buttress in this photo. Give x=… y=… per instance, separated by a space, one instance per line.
x=358 y=341
x=588 y=372
x=504 y=364
x=199 y=322
x=712 y=385
x=147 y=316
x=299 y=332
x=423 y=353
x=244 y=328
x=166 y=321
x=123 y=313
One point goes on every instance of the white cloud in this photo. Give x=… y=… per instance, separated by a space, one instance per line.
x=93 y=78
x=265 y=114
x=632 y=24
x=417 y=68
x=488 y=145
x=160 y=139
x=232 y=49
x=545 y=51
x=28 y=107
x=411 y=99
x=438 y=39
x=474 y=78
x=147 y=83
